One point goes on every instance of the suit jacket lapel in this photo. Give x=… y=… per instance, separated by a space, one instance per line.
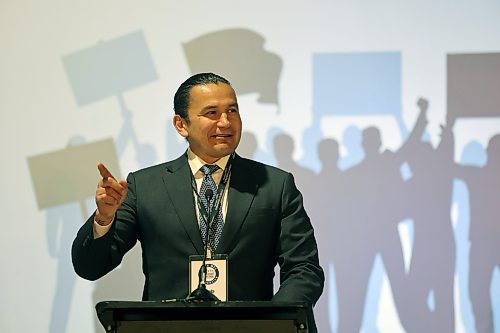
x=177 y=180
x=242 y=189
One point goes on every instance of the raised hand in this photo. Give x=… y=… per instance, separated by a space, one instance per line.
x=423 y=104
x=109 y=195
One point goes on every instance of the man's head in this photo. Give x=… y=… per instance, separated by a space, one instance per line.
x=371 y=141
x=207 y=115
x=494 y=150
x=328 y=153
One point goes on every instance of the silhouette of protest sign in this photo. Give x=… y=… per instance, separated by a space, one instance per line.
x=357 y=84
x=71 y=174
x=109 y=68
x=473 y=85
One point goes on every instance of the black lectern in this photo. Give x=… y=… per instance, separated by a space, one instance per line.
x=187 y=317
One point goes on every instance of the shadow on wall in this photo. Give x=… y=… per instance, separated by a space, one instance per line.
x=396 y=206
x=110 y=69
x=106 y=70
x=357 y=206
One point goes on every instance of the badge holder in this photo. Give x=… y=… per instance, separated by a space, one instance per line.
x=215 y=278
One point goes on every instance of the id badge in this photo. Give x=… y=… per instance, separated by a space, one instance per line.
x=216 y=274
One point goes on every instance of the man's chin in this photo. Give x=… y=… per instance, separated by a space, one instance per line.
x=224 y=149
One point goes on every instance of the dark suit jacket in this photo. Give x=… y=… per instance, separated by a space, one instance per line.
x=265 y=224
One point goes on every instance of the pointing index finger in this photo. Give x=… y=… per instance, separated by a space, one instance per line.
x=104 y=171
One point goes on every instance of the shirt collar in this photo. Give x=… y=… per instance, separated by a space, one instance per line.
x=195 y=162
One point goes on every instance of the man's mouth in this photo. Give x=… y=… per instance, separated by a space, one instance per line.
x=222 y=136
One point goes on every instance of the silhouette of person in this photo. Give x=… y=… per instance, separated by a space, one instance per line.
x=124 y=282
x=283 y=151
x=145 y=153
x=473 y=153
x=61 y=228
x=432 y=267
x=351 y=139
x=370 y=212
x=248 y=146
x=484 y=190
x=326 y=211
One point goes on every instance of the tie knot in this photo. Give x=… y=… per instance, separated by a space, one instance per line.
x=209 y=169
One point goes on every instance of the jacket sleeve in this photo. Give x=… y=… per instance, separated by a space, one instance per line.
x=94 y=258
x=301 y=277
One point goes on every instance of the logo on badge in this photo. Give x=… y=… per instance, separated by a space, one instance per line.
x=212 y=274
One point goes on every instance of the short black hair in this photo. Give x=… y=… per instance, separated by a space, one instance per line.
x=181 y=97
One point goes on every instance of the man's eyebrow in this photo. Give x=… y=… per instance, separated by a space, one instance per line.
x=210 y=107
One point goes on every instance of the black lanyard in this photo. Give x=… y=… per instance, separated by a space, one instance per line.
x=218 y=196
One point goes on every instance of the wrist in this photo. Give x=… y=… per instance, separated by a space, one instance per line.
x=103 y=220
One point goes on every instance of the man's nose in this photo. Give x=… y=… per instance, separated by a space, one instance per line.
x=223 y=121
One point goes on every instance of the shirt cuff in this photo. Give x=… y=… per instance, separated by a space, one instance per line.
x=101 y=230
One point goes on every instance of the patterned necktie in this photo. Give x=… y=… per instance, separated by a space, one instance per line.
x=215 y=229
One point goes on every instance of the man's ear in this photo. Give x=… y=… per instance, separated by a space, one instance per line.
x=180 y=126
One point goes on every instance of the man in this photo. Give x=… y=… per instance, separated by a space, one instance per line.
x=263 y=218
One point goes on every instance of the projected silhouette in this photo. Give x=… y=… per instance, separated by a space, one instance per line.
x=61 y=227
x=326 y=211
x=473 y=82
x=432 y=269
x=353 y=84
x=473 y=153
x=351 y=140
x=283 y=151
x=472 y=93
x=110 y=69
x=66 y=208
x=370 y=223
x=484 y=190
x=248 y=145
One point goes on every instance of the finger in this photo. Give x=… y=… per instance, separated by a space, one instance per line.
x=104 y=171
x=110 y=201
x=113 y=194
x=124 y=184
x=103 y=198
x=107 y=199
x=110 y=191
x=111 y=183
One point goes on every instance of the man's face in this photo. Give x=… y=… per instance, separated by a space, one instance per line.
x=213 y=129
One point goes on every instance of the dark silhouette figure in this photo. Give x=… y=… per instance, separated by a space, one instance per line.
x=351 y=140
x=428 y=298
x=283 y=151
x=248 y=145
x=326 y=215
x=61 y=228
x=369 y=213
x=484 y=234
x=126 y=282
x=473 y=153
x=145 y=153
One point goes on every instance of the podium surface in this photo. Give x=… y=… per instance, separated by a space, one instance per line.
x=184 y=316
